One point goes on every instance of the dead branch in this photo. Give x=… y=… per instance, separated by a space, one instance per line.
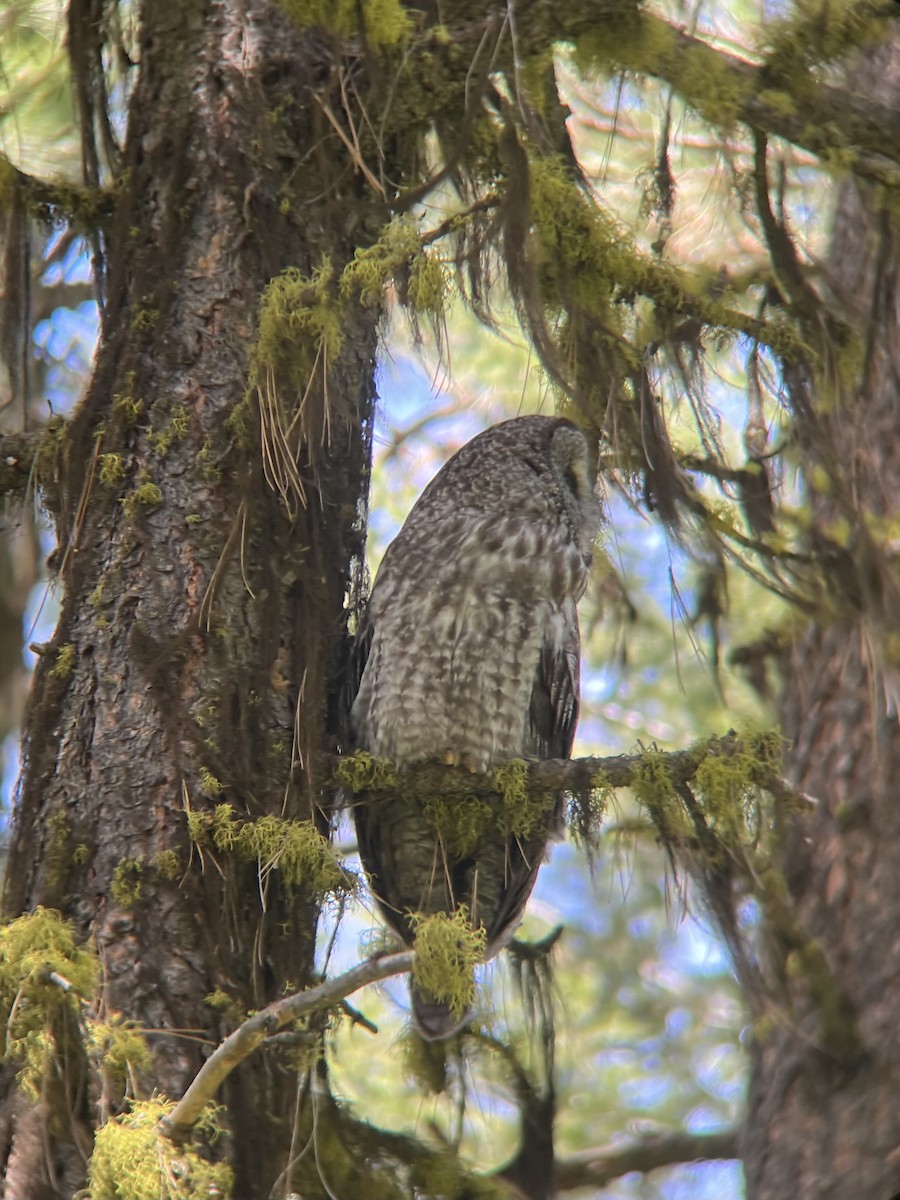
x=256 y=1029
x=596 y=1168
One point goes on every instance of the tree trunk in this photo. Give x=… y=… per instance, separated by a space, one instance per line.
x=201 y=621
x=823 y=1117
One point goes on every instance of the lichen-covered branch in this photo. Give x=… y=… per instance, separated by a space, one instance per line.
x=781 y=95
x=254 y=1031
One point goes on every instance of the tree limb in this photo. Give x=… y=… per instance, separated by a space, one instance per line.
x=360 y=773
x=596 y=1168
x=254 y=1031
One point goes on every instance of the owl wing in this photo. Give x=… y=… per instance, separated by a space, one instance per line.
x=554 y=697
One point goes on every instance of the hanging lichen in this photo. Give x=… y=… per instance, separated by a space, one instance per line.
x=448 y=948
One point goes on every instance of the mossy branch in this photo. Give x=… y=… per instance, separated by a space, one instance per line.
x=359 y=773
x=253 y=1032
x=785 y=100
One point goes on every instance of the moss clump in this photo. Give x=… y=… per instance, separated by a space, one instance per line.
x=34 y=949
x=460 y=823
x=112 y=469
x=118 y=1048
x=588 y=809
x=146 y=495
x=300 y=318
x=398 y=254
x=166 y=863
x=173 y=431
x=381 y=23
x=654 y=790
x=65 y=662
x=448 y=948
x=132 y=1159
x=522 y=812
x=209 y=785
x=125 y=887
x=295 y=848
x=129 y=407
x=362 y=772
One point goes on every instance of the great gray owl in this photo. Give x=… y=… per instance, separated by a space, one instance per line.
x=468 y=653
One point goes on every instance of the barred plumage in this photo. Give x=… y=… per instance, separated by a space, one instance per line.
x=469 y=653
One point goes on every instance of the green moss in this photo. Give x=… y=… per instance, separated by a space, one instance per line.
x=448 y=948
x=209 y=785
x=32 y=948
x=95 y=597
x=146 y=495
x=65 y=662
x=128 y=406
x=380 y=22
x=144 y=318
x=81 y=854
x=173 y=431
x=112 y=469
x=299 y=319
x=362 y=771
x=398 y=254
x=295 y=848
x=166 y=863
x=118 y=1048
x=125 y=887
x=654 y=790
x=133 y=1161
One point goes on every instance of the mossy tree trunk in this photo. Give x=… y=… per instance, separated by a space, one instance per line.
x=823 y=1117
x=201 y=620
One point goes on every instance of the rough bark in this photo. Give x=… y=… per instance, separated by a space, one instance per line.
x=200 y=625
x=823 y=1119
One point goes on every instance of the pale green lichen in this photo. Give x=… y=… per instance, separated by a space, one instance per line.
x=295 y=848
x=133 y=1161
x=42 y=971
x=65 y=662
x=146 y=495
x=118 y=1047
x=125 y=886
x=112 y=469
x=398 y=252
x=448 y=948
x=166 y=863
x=209 y=785
x=381 y=23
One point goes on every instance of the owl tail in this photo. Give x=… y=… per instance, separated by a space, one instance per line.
x=433 y=1018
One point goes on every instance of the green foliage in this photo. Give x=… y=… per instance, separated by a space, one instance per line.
x=133 y=1161
x=448 y=948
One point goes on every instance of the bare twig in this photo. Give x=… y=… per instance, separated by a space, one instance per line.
x=596 y=1168
x=254 y=1031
